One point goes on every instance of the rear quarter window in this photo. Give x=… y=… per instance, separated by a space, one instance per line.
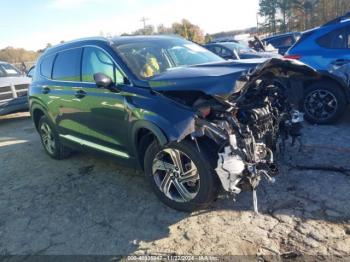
x=67 y=65
x=337 y=39
x=46 y=66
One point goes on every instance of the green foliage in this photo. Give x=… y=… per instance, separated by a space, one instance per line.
x=17 y=55
x=299 y=15
x=268 y=9
x=208 y=38
x=147 y=30
x=185 y=29
x=163 y=30
x=189 y=31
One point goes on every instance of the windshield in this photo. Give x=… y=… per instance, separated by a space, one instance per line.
x=151 y=57
x=8 y=70
x=240 y=48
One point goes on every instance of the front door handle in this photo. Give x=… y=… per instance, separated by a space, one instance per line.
x=45 y=90
x=80 y=94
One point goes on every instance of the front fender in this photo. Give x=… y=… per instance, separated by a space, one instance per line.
x=167 y=126
x=341 y=77
x=159 y=126
x=174 y=120
x=143 y=124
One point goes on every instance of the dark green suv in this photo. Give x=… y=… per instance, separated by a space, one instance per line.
x=192 y=121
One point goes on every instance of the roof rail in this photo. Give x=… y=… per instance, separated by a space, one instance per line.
x=338 y=19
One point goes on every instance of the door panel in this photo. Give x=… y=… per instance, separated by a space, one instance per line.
x=99 y=117
x=94 y=114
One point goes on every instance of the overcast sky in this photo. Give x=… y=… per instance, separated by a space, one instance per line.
x=33 y=24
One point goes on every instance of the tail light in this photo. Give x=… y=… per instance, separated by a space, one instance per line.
x=294 y=57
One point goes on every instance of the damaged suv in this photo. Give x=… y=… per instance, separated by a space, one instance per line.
x=193 y=122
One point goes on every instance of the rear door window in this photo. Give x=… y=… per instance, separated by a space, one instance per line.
x=67 y=65
x=338 y=39
x=223 y=52
x=46 y=66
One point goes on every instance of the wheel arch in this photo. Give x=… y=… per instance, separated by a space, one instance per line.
x=37 y=111
x=325 y=76
x=142 y=135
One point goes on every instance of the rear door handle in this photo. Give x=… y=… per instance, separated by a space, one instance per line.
x=341 y=62
x=45 y=90
x=80 y=94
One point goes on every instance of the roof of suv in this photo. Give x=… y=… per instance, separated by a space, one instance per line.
x=75 y=43
x=139 y=38
x=119 y=40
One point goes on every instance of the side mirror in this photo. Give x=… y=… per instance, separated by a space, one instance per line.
x=102 y=80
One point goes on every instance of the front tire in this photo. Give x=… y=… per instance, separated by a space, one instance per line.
x=181 y=176
x=50 y=140
x=323 y=103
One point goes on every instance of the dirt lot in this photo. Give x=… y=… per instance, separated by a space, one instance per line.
x=88 y=204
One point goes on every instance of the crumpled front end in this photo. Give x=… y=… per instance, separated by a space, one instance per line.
x=248 y=143
x=250 y=128
x=245 y=130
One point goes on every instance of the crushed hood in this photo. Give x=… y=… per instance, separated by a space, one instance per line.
x=214 y=79
x=220 y=79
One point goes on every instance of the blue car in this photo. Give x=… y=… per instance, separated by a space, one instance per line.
x=282 y=42
x=326 y=49
x=236 y=51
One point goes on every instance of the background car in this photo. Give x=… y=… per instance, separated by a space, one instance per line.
x=233 y=50
x=326 y=49
x=13 y=89
x=282 y=42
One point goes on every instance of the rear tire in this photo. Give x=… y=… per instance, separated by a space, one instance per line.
x=195 y=194
x=50 y=140
x=323 y=103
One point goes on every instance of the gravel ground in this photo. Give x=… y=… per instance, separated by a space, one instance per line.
x=89 y=204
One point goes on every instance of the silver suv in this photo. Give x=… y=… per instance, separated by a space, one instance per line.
x=13 y=89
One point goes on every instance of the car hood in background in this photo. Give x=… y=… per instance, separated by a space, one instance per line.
x=248 y=55
x=15 y=80
x=248 y=63
x=211 y=79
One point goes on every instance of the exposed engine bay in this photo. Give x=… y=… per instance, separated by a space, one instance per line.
x=247 y=129
x=250 y=132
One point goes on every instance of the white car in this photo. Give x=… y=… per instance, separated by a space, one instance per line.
x=13 y=89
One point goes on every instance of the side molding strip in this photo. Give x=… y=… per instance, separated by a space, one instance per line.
x=95 y=146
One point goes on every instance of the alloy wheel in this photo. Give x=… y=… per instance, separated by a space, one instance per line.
x=176 y=175
x=321 y=104
x=48 y=138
